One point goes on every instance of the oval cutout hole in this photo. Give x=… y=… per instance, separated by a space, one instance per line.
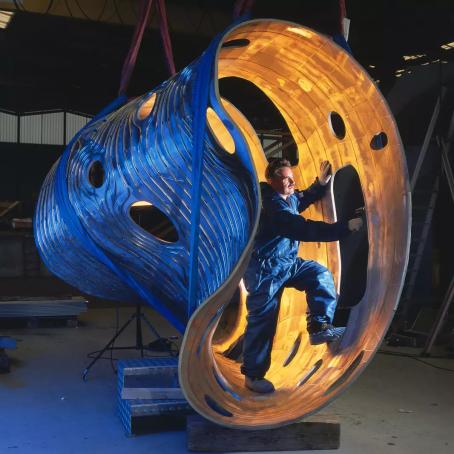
x=337 y=125
x=242 y=42
x=224 y=386
x=146 y=108
x=154 y=221
x=346 y=375
x=379 y=141
x=216 y=407
x=220 y=132
x=294 y=350
x=96 y=174
x=307 y=376
x=354 y=249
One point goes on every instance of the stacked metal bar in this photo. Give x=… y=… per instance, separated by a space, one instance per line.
x=42 y=307
x=141 y=415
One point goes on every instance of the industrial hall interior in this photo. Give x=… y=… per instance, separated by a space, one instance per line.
x=226 y=226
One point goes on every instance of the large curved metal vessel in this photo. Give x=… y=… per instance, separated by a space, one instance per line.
x=146 y=150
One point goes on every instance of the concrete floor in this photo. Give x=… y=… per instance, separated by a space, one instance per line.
x=398 y=405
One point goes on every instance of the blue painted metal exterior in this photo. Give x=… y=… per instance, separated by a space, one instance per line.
x=85 y=234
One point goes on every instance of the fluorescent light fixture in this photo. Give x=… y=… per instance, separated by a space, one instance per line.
x=399 y=75
x=372 y=66
x=399 y=71
x=413 y=57
x=5 y=17
x=447 y=46
x=424 y=64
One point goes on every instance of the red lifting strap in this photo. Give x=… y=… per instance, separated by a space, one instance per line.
x=130 y=60
x=242 y=7
x=166 y=36
x=342 y=14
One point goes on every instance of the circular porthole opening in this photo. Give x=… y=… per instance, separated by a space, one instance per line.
x=379 y=141
x=96 y=174
x=337 y=125
x=354 y=249
x=242 y=42
x=154 y=221
x=146 y=108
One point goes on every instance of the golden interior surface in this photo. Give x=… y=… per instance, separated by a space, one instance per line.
x=219 y=131
x=146 y=108
x=307 y=77
x=141 y=203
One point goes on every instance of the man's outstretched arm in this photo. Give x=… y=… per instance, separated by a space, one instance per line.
x=316 y=190
x=298 y=228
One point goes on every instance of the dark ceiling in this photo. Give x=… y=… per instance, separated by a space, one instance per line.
x=51 y=61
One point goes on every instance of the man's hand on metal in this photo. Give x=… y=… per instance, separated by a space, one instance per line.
x=355 y=224
x=325 y=173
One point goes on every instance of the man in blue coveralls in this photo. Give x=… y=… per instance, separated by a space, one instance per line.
x=275 y=265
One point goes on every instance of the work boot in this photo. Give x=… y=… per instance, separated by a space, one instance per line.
x=259 y=385
x=320 y=332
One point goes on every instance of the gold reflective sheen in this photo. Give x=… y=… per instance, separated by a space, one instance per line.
x=146 y=108
x=307 y=77
x=219 y=131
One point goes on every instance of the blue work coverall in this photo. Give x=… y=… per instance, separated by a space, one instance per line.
x=275 y=265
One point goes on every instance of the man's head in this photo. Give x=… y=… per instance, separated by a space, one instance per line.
x=280 y=176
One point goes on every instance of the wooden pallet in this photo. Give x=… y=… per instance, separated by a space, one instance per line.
x=150 y=400
x=316 y=432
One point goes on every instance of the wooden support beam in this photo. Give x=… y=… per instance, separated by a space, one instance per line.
x=316 y=432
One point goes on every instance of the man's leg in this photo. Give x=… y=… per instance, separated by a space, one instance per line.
x=263 y=309
x=318 y=283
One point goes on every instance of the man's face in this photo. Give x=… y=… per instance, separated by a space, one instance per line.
x=283 y=182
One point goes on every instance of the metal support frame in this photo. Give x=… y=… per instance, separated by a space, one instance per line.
x=427 y=138
x=278 y=145
x=138 y=316
x=7 y=209
x=413 y=271
x=449 y=295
